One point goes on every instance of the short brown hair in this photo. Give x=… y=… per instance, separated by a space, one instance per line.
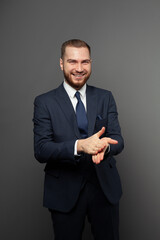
x=74 y=43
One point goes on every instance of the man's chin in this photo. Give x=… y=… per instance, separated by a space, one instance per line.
x=78 y=85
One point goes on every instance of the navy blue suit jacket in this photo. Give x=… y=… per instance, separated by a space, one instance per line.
x=55 y=133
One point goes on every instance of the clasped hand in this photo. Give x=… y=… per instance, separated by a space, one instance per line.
x=95 y=146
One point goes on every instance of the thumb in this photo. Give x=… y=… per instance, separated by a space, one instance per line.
x=101 y=132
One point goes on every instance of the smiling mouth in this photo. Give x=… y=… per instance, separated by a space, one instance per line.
x=78 y=75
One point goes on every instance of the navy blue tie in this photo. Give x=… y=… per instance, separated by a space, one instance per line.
x=81 y=117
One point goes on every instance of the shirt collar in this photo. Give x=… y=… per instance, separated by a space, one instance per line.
x=71 y=91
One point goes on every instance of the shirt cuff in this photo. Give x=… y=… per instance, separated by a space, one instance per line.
x=75 y=148
x=108 y=149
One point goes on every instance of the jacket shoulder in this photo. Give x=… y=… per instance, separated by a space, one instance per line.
x=97 y=90
x=47 y=95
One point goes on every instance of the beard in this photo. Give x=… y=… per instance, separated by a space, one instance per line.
x=76 y=79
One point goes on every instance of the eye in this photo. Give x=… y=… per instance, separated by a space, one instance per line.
x=85 y=62
x=71 y=61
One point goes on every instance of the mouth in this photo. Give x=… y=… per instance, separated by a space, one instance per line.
x=78 y=75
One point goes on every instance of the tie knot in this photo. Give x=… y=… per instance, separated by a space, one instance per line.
x=77 y=94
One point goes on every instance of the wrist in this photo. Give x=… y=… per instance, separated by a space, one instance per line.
x=80 y=145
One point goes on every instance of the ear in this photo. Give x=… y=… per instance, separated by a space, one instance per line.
x=61 y=64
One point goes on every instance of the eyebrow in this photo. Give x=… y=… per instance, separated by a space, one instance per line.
x=74 y=60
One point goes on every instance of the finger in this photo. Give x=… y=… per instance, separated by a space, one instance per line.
x=94 y=158
x=101 y=156
x=101 y=132
x=98 y=158
x=112 y=141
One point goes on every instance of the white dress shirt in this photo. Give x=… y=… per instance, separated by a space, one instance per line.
x=71 y=93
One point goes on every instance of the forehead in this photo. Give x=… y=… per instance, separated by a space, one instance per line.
x=76 y=53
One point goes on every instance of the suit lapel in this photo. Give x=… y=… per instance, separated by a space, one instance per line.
x=91 y=98
x=65 y=104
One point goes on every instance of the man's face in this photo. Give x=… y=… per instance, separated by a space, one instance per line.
x=76 y=66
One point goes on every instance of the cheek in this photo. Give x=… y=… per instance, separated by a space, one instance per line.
x=88 y=69
x=68 y=69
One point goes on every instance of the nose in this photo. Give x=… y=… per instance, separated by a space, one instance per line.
x=79 y=67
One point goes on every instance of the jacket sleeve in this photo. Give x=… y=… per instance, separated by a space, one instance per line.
x=113 y=128
x=45 y=148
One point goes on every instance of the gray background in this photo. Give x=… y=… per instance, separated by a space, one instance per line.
x=125 y=40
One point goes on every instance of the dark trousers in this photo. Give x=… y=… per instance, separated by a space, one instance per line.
x=103 y=217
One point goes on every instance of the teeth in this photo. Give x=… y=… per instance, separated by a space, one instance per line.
x=78 y=75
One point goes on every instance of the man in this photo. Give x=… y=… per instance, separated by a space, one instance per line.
x=76 y=133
